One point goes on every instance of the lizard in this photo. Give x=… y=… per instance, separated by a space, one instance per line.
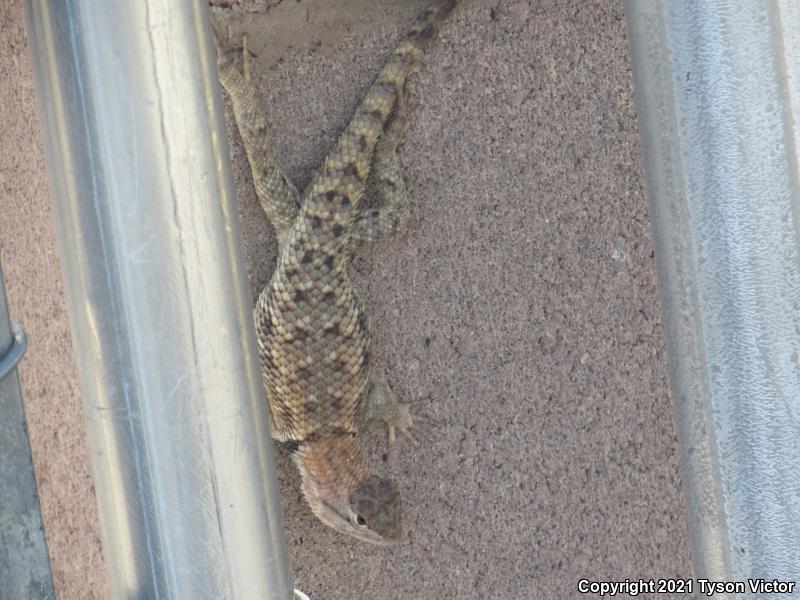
x=313 y=334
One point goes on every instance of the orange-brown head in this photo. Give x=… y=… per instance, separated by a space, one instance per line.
x=344 y=493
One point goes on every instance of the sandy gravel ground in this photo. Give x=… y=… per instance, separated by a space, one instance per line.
x=520 y=308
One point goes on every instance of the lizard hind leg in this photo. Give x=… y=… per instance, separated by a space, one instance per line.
x=277 y=195
x=390 y=217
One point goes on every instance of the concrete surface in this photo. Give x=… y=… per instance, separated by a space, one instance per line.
x=520 y=309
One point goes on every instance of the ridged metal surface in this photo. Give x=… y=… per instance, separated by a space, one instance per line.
x=160 y=313
x=718 y=92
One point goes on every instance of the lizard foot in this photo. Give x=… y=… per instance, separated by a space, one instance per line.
x=399 y=419
x=384 y=407
x=226 y=52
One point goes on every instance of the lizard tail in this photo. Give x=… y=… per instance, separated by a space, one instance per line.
x=430 y=21
x=339 y=185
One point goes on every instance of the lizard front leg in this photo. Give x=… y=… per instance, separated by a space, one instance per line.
x=383 y=408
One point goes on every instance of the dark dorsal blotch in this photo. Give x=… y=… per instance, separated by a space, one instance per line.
x=266 y=357
x=310 y=408
x=351 y=170
x=389 y=86
x=336 y=403
x=362 y=320
x=264 y=322
x=427 y=32
x=332 y=330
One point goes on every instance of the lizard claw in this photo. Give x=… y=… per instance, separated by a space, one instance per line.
x=245 y=59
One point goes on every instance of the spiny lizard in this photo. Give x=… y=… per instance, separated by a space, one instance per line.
x=313 y=334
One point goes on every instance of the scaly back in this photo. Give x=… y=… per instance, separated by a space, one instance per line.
x=312 y=331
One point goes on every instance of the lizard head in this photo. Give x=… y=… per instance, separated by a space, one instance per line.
x=345 y=494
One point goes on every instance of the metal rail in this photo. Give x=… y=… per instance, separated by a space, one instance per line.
x=718 y=91
x=24 y=561
x=159 y=309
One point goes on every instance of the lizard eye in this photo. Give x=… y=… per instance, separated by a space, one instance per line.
x=359 y=520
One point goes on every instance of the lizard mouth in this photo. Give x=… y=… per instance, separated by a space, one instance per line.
x=331 y=517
